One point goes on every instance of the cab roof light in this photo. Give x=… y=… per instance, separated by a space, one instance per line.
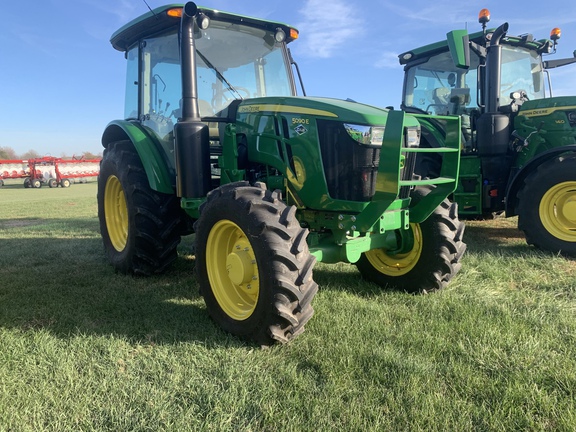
x=484 y=18
x=280 y=35
x=202 y=21
x=294 y=33
x=174 y=13
x=555 y=34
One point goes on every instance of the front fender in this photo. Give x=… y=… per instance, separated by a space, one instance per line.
x=515 y=185
x=160 y=176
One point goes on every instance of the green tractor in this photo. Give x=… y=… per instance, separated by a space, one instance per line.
x=519 y=142
x=216 y=143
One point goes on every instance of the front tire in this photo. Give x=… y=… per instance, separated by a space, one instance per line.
x=432 y=262
x=140 y=227
x=547 y=206
x=253 y=264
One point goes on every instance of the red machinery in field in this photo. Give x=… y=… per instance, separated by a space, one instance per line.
x=49 y=170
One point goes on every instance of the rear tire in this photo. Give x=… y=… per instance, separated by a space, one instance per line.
x=433 y=261
x=140 y=227
x=253 y=264
x=547 y=206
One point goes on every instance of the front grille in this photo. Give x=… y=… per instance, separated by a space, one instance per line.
x=350 y=167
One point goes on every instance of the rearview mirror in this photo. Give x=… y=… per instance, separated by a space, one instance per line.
x=459 y=46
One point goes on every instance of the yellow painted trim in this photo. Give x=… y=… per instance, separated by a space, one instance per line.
x=285 y=109
x=545 y=111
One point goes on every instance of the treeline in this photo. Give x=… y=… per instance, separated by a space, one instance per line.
x=10 y=153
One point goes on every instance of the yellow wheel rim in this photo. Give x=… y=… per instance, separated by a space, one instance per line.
x=232 y=270
x=558 y=211
x=399 y=264
x=116 y=213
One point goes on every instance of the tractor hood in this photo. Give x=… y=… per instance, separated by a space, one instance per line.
x=550 y=114
x=327 y=108
x=544 y=107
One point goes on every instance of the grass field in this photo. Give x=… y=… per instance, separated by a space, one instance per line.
x=83 y=348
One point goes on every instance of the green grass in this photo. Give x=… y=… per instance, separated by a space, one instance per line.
x=83 y=348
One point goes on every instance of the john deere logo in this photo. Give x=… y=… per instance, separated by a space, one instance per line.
x=300 y=129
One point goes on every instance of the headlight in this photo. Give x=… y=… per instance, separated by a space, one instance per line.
x=370 y=135
x=412 y=137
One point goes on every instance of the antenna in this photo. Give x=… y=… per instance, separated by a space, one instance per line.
x=146 y=3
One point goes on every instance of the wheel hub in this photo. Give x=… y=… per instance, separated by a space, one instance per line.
x=399 y=264
x=569 y=210
x=240 y=265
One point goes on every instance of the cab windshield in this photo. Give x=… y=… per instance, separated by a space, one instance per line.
x=521 y=70
x=239 y=62
x=437 y=86
x=432 y=85
x=233 y=62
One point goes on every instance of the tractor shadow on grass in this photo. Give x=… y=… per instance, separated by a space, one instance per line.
x=54 y=277
x=344 y=278
x=66 y=287
x=500 y=237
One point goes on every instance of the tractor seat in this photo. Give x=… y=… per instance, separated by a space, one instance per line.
x=441 y=95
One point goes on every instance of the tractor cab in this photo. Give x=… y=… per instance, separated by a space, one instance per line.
x=484 y=73
x=236 y=58
x=514 y=132
x=484 y=77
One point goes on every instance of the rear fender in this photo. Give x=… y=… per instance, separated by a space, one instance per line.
x=160 y=176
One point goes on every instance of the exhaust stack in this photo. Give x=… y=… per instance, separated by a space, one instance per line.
x=191 y=137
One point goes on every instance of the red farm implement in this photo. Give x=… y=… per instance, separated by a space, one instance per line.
x=49 y=171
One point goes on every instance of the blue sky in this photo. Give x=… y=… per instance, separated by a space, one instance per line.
x=61 y=82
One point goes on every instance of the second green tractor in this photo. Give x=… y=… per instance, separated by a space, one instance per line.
x=519 y=142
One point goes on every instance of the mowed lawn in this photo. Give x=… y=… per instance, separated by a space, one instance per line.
x=83 y=348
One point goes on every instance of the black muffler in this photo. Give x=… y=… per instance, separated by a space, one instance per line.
x=191 y=136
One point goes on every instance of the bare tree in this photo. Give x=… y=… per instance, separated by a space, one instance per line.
x=31 y=154
x=90 y=155
x=7 y=153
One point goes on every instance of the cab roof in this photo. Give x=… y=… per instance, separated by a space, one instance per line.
x=426 y=51
x=158 y=20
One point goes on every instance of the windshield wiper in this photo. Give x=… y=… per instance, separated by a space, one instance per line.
x=218 y=74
